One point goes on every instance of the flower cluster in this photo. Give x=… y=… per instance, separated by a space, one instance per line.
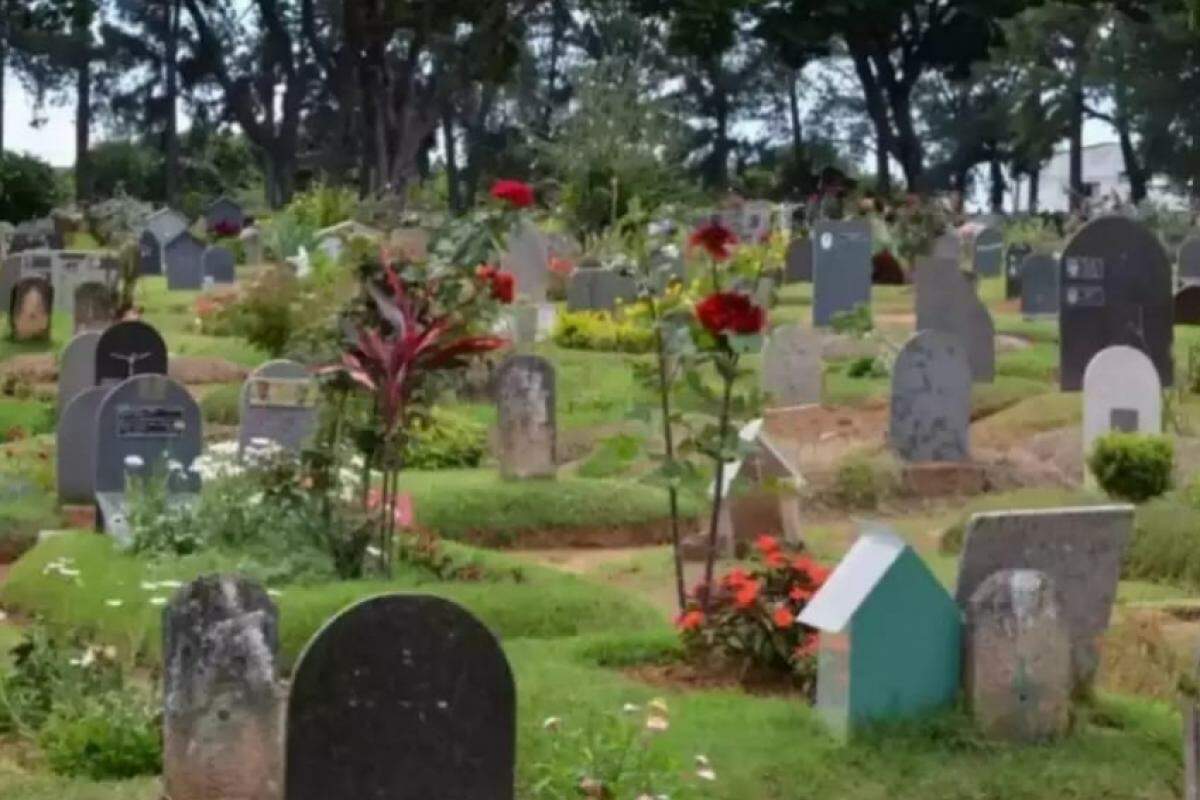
x=501 y=285
x=715 y=239
x=517 y=194
x=731 y=312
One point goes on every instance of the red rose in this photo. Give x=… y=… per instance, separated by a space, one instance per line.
x=783 y=617
x=690 y=620
x=516 y=193
x=715 y=238
x=723 y=312
x=501 y=284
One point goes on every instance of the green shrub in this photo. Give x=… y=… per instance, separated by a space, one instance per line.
x=866 y=367
x=855 y=484
x=28 y=187
x=445 y=441
x=612 y=457
x=265 y=313
x=1132 y=466
x=221 y=406
x=599 y=330
x=1166 y=543
x=117 y=737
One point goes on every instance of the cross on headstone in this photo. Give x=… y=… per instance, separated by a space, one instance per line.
x=129 y=348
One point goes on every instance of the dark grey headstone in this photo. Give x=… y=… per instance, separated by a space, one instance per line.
x=1189 y=261
x=75 y=450
x=1187 y=305
x=841 y=268
x=224 y=217
x=1012 y=269
x=405 y=697
x=799 y=267
x=525 y=398
x=989 y=252
x=129 y=348
x=1039 y=285
x=1116 y=288
x=77 y=366
x=278 y=403
x=218 y=264
x=947 y=302
x=149 y=254
x=931 y=399
x=595 y=289
x=183 y=262
x=94 y=307
x=31 y=309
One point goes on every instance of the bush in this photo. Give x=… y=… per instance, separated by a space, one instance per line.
x=1131 y=466
x=28 y=188
x=866 y=367
x=264 y=314
x=1166 y=543
x=855 y=484
x=445 y=441
x=222 y=405
x=600 y=331
x=106 y=740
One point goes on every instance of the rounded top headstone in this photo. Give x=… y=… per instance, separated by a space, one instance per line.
x=129 y=348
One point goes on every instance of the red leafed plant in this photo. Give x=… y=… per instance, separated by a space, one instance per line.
x=751 y=619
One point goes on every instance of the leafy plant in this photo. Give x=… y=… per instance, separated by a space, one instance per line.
x=601 y=331
x=855 y=484
x=28 y=188
x=866 y=367
x=444 y=441
x=1132 y=466
x=110 y=738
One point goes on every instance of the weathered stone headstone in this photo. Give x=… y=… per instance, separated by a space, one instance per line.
x=947 y=302
x=596 y=289
x=791 y=372
x=94 y=307
x=402 y=696
x=1116 y=288
x=31 y=309
x=149 y=254
x=841 y=268
x=525 y=396
x=252 y=248
x=799 y=261
x=77 y=366
x=183 y=262
x=1039 y=285
x=129 y=348
x=278 y=403
x=75 y=450
x=1121 y=392
x=1187 y=305
x=1018 y=663
x=1189 y=261
x=222 y=707
x=224 y=217
x=1080 y=549
x=988 y=252
x=218 y=264
x=931 y=399
x=528 y=259
x=1012 y=269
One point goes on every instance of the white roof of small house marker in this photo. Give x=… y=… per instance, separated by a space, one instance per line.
x=853 y=581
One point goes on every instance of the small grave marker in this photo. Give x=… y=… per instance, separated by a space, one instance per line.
x=218 y=264
x=799 y=267
x=528 y=259
x=947 y=302
x=1189 y=261
x=183 y=262
x=1120 y=392
x=278 y=403
x=931 y=399
x=1187 y=305
x=1039 y=286
x=94 y=307
x=1013 y=257
x=791 y=374
x=75 y=447
x=525 y=395
x=841 y=268
x=77 y=366
x=988 y=252
x=31 y=309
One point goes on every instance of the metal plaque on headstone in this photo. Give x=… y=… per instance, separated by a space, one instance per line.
x=75 y=448
x=841 y=268
x=931 y=399
x=129 y=348
x=527 y=428
x=278 y=403
x=1039 y=285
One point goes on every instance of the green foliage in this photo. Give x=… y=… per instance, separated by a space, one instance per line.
x=613 y=456
x=856 y=484
x=857 y=322
x=266 y=314
x=123 y=165
x=1133 y=467
x=117 y=737
x=323 y=205
x=866 y=367
x=221 y=406
x=444 y=440
x=601 y=331
x=1166 y=541
x=28 y=187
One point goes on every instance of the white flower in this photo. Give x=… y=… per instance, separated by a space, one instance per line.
x=158 y=601
x=373 y=551
x=704 y=769
x=149 y=586
x=671 y=251
x=134 y=462
x=274 y=593
x=89 y=658
x=657 y=723
x=170 y=584
x=658 y=705
x=551 y=724
x=114 y=603
x=631 y=708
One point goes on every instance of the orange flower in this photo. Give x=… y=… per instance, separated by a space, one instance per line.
x=816 y=573
x=735 y=579
x=775 y=559
x=690 y=620
x=561 y=266
x=746 y=595
x=766 y=544
x=800 y=594
x=783 y=617
x=807 y=648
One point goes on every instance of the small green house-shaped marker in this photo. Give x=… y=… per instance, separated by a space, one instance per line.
x=890 y=642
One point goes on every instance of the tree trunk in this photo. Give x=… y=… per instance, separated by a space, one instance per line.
x=171 y=178
x=452 y=187
x=997 y=181
x=877 y=110
x=83 y=127
x=794 y=111
x=1035 y=178
x=1133 y=167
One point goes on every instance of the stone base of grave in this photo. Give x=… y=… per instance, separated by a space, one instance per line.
x=943 y=479
x=83 y=517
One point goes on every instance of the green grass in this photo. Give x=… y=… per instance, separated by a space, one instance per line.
x=30 y=416
x=221 y=405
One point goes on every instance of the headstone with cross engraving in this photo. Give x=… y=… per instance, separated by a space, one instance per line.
x=129 y=348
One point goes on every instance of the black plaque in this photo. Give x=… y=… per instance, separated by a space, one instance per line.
x=1124 y=420
x=130 y=348
x=145 y=422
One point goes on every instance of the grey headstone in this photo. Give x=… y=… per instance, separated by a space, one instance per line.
x=1116 y=288
x=149 y=254
x=77 y=366
x=1039 y=285
x=1080 y=549
x=791 y=371
x=31 y=310
x=218 y=264
x=931 y=399
x=222 y=706
x=799 y=267
x=947 y=302
x=528 y=259
x=1121 y=380
x=252 y=248
x=183 y=261
x=165 y=224
x=596 y=289
x=1187 y=305
x=989 y=252
x=75 y=450
x=841 y=268
x=525 y=397
x=1189 y=261
x=1018 y=664
x=129 y=348
x=278 y=402
x=224 y=217
x=404 y=697
x=1013 y=257
x=94 y=307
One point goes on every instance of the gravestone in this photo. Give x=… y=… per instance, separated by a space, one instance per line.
x=1116 y=288
x=525 y=397
x=1187 y=305
x=527 y=257
x=1018 y=658
x=94 y=307
x=183 y=262
x=947 y=302
x=931 y=399
x=791 y=372
x=988 y=252
x=31 y=309
x=1039 y=285
x=278 y=402
x=1012 y=269
x=841 y=268
x=224 y=217
x=149 y=254
x=596 y=289
x=165 y=224
x=1121 y=392
x=753 y=223
x=252 y=248
x=129 y=348
x=406 y=697
x=799 y=267
x=218 y=264
x=1189 y=261
x=222 y=706
x=1079 y=549
x=77 y=366
x=75 y=449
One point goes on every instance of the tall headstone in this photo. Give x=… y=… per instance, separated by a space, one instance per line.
x=218 y=264
x=252 y=247
x=129 y=348
x=406 y=697
x=31 y=309
x=931 y=399
x=1013 y=257
x=222 y=720
x=1116 y=288
x=75 y=449
x=278 y=402
x=1187 y=305
x=791 y=372
x=947 y=302
x=597 y=289
x=799 y=267
x=988 y=252
x=95 y=307
x=528 y=259
x=149 y=254
x=1079 y=549
x=77 y=366
x=224 y=217
x=525 y=395
x=183 y=262
x=1189 y=261
x=841 y=268
x=1018 y=658
x=1039 y=286
x=1121 y=392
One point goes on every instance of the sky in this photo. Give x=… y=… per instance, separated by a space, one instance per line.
x=54 y=141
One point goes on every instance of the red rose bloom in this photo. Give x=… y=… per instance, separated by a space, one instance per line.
x=746 y=595
x=503 y=285
x=518 y=194
x=690 y=620
x=783 y=618
x=715 y=238
x=730 y=312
